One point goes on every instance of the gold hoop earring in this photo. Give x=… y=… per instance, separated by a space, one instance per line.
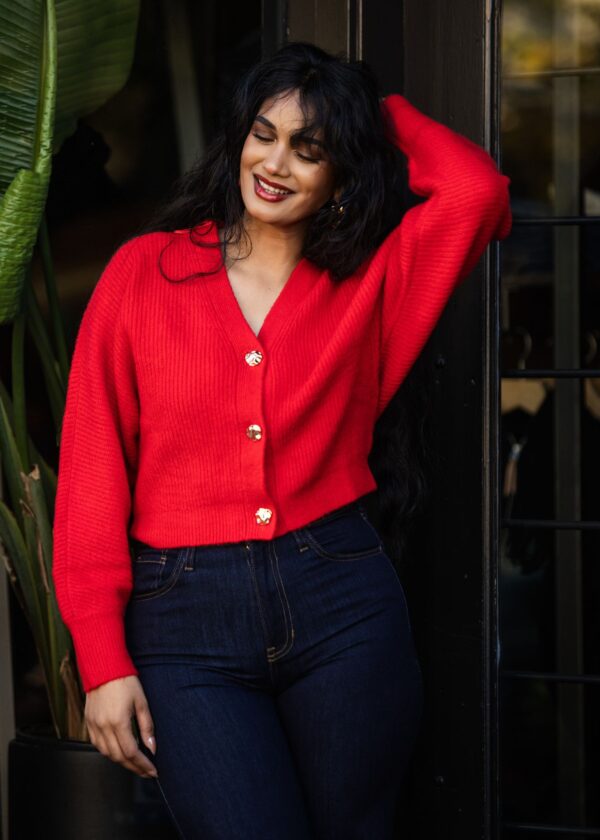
x=338 y=210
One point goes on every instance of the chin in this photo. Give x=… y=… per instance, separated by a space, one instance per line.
x=274 y=214
x=269 y=215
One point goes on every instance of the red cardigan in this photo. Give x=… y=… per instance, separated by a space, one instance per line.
x=182 y=427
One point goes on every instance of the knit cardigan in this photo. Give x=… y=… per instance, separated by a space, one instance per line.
x=183 y=427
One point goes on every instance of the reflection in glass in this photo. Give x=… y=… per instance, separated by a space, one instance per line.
x=551 y=101
x=549 y=568
x=531 y=268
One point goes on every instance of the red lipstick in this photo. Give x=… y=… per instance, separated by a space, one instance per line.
x=270 y=196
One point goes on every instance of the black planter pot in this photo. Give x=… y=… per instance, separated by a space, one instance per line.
x=67 y=790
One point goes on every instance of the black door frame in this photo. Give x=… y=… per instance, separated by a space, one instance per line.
x=451 y=71
x=444 y=58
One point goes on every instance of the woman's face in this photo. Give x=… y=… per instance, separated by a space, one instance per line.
x=285 y=176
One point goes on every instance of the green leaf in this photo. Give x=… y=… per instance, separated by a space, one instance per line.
x=20 y=212
x=39 y=334
x=59 y=60
x=21 y=28
x=11 y=463
x=57 y=642
x=28 y=74
x=49 y=478
x=30 y=585
x=39 y=511
x=95 y=50
x=45 y=75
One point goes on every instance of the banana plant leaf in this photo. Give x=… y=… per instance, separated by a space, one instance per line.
x=95 y=50
x=28 y=81
x=48 y=476
x=60 y=60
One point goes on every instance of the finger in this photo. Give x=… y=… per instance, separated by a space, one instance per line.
x=119 y=757
x=100 y=742
x=108 y=745
x=113 y=748
x=131 y=751
x=145 y=723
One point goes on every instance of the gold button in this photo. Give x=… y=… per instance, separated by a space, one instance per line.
x=254 y=357
x=254 y=431
x=263 y=516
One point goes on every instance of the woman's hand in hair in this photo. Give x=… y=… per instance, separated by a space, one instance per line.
x=109 y=710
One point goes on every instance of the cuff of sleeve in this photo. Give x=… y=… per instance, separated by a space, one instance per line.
x=438 y=145
x=100 y=650
x=405 y=120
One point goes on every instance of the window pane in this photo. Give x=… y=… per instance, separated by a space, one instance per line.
x=529 y=439
x=551 y=105
x=533 y=757
x=530 y=618
x=549 y=577
x=537 y=262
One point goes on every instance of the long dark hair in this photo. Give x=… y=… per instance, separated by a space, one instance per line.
x=342 y=99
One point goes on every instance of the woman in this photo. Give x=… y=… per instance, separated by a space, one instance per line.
x=226 y=378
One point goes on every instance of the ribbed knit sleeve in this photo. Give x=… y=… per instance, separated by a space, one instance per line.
x=438 y=242
x=97 y=461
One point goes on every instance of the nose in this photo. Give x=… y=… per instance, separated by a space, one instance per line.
x=276 y=162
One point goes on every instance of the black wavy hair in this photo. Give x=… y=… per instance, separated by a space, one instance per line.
x=337 y=96
x=341 y=98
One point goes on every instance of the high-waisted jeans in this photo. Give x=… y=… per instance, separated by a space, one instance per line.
x=282 y=680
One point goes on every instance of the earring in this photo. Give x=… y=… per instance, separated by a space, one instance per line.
x=338 y=212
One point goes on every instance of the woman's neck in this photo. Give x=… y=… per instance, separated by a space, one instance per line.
x=275 y=249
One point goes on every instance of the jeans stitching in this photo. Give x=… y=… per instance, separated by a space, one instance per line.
x=371 y=526
x=290 y=633
x=160 y=562
x=341 y=558
x=273 y=652
x=300 y=537
x=190 y=560
x=175 y=575
x=258 y=601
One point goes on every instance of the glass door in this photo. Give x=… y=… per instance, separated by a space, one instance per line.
x=549 y=559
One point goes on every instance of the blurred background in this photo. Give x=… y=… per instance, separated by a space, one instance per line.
x=502 y=571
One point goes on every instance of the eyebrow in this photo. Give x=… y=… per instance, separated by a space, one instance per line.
x=297 y=135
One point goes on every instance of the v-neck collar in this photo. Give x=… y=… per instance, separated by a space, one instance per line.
x=300 y=281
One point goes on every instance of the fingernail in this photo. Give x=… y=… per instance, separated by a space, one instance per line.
x=152 y=744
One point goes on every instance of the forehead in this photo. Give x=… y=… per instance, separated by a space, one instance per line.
x=285 y=112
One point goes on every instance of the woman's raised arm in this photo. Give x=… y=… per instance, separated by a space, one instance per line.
x=439 y=241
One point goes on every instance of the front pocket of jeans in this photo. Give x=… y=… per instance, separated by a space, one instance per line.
x=156 y=571
x=348 y=537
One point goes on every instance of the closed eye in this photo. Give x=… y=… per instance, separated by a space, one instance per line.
x=310 y=159
x=300 y=155
x=260 y=137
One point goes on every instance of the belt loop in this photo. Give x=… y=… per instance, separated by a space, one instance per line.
x=190 y=558
x=300 y=538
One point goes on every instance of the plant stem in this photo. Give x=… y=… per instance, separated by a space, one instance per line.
x=39 y=334
x=18 y=386
x=53 y=304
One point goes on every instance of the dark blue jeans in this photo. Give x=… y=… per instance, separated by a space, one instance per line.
x=282 y=679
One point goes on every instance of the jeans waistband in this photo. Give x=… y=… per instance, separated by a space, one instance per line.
x=355 y=506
